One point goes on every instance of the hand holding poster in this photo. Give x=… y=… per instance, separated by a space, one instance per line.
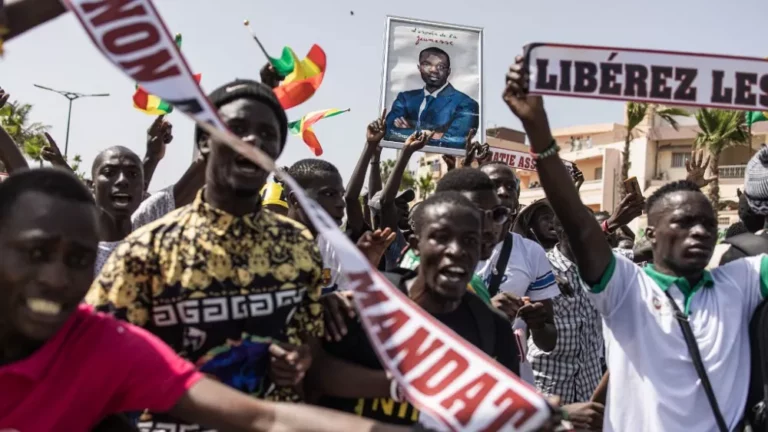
x=663 y=77
x=432 y=80
x=444 y=376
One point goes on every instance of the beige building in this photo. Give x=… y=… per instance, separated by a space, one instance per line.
x=657 y=155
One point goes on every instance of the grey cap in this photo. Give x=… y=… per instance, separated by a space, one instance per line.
x=756 y=182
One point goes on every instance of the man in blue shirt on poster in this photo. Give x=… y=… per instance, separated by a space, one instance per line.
x=437 y=106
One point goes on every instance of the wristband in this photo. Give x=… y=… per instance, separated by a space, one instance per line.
x=550 y=151
x=604 y=225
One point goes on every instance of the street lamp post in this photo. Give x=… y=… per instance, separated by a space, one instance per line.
x=71 y=96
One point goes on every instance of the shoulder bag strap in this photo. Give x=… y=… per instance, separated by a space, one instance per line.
x=693 y=350
x=501 y=266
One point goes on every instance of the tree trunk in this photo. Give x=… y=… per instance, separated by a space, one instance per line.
x=714 y=187
x=625 y=163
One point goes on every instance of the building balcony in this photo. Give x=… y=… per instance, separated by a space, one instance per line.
x=731 y=172
x=591 y=193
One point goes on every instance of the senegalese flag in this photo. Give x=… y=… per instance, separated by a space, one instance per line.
x=305 y=78
x=756 y=116
x=285 y=64
x=304 y=129
x=151 y=104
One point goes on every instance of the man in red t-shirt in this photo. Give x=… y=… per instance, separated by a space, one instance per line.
x=64 y=367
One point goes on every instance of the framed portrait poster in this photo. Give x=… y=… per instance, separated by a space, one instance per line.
x=432 y=80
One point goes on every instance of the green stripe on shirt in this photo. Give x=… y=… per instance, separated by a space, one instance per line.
x=607 y=275
x=764 y=276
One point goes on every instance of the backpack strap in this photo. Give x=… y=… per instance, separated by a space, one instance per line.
x=693 y=350
x=501 y=266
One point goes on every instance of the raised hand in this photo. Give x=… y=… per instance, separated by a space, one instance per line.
x=417 y=140
x=697 y=171
x=470 y=147
x=377 y=129
x=629 y=208
x=578 y=176
x=269 y=75
x=483 y=154
x=3 y=97
x=158 y=136
x=450 y=161
x=374 y=244
x=529 y=109
x=52 y=154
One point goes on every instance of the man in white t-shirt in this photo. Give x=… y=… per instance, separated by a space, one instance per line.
x=654 y=385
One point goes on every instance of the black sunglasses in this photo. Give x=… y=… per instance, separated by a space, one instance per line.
x=499 y=215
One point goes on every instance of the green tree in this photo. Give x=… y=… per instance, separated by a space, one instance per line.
x=408 y=181
x=719 y=129
x=636 y=112
x=426 y=185
x=15 y=119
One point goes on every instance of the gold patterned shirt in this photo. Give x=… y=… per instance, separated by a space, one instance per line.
x=218 y=289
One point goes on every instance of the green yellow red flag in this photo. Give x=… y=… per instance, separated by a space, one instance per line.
x=303 y=127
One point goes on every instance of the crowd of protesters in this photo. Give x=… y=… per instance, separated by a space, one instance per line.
x=214 y=303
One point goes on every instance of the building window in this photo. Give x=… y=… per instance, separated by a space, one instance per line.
x=678 y=159
x=599 y=173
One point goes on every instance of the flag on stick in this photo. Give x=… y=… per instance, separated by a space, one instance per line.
x=302 y=78
x=304 y=129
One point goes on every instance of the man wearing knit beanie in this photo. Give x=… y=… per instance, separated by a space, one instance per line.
x=232 y=286
x=756 y=182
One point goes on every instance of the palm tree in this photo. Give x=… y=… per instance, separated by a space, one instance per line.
x=407 y=182
x=14 y=118
x=719 y=129
x=636 y=112
x=426 y=185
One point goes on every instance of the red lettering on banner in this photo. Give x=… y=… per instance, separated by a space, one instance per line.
x=148 y=32
x=115 y=10
x=413 y=353
x=518 y=410
x=511 y=161
x=150 y=67
x=388 y=324
x=372 y=297
x=469 y=398
x=451 y=359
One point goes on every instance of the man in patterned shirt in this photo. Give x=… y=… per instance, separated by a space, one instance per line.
x=228 y=284
x=574 y=368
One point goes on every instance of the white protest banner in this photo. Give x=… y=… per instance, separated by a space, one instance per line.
x=518 y=160
x=441 y=374
x=663 y=77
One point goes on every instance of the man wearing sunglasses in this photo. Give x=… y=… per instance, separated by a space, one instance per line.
x=517 y=272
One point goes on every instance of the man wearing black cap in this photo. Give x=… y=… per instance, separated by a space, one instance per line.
x=229 y=285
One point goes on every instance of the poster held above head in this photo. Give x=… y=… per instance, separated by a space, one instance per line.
x=661 y=77
x=432 y=79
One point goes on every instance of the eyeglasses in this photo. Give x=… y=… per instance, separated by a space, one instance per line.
x=499 y=215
